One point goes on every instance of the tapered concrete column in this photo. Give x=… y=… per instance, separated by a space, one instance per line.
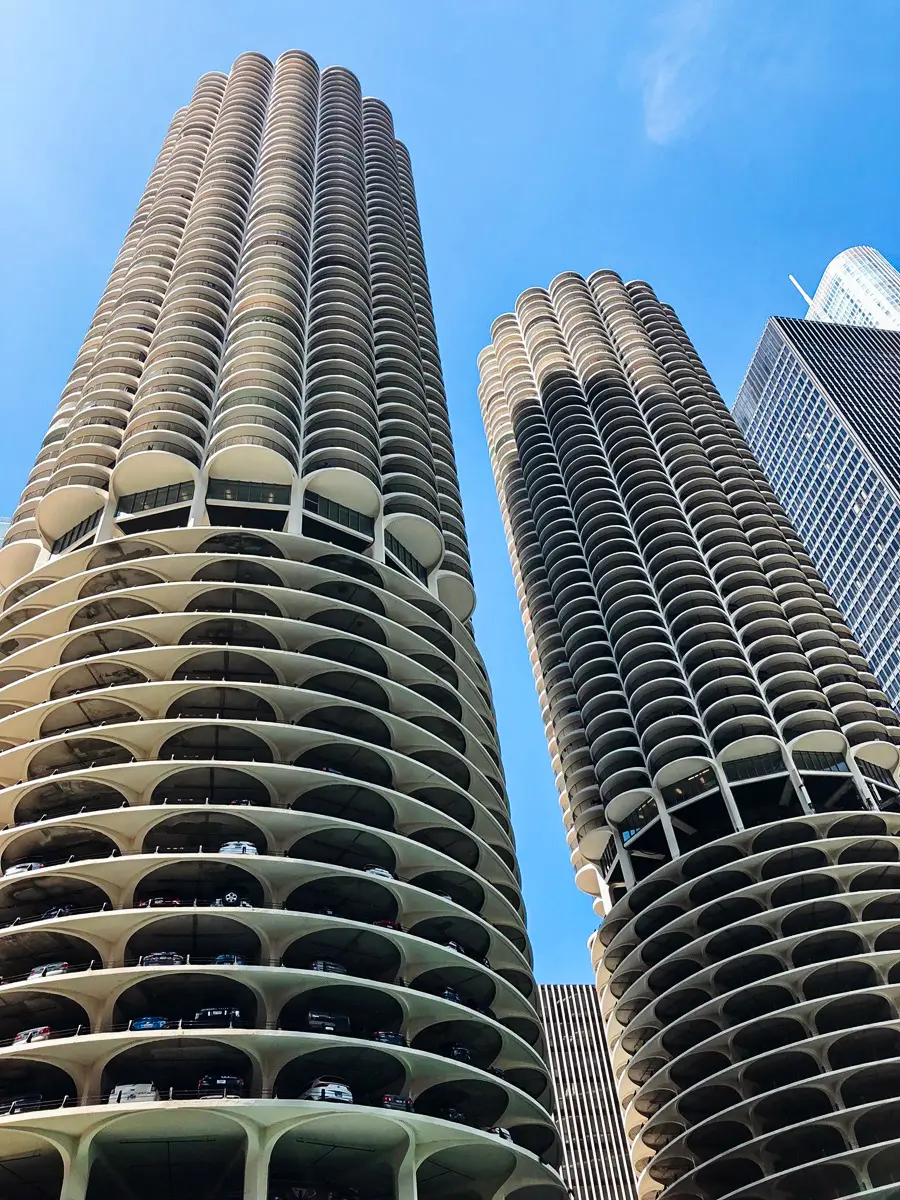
x=77 y=1171
x=256 y=1165
x=406 y=1175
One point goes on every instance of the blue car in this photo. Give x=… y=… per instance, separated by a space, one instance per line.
x=150 y=1023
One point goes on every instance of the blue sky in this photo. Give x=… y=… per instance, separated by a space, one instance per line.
x=707 y=146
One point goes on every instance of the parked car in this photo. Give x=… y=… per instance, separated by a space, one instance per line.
x=388 y=1037
x=133 y=1093
x=459 y=1052
x=217 y=1016
x=38 y=1033
x=450 y=993
x=379 y=872
x=328 y=965
x=58 y=910
x=327 y=1087
x=162 y=958
x=387 y=924
x=238 y=847
x=502 y=1133
x=230 y=960
x=57 y=968
x=241 y=803
x=23 y=868
x=312 y=1190
x=322 y=1022
x=455 y=946
x=229 y=1087
x=451 y=1114
x=20 y=1104
x=498 y=1071
x=392 y=1100
x=141 y=1024
x=231 y=900
x=160 y=901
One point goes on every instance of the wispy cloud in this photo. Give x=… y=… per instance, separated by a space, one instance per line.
x=677 y=77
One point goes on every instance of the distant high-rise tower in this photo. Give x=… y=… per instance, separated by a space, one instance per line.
x=726 y=761
x=859 y=287
x=820 y=407
x=261 y=930
x=595 y=1161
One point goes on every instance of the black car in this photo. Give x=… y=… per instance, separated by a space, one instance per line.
x=388 y=1037
x=450 y=993
x=452 y=1114
x=58 y=910
x=498 y=1071
x=217 y=1017
x=322 y=1022
x=392 y=1100
x=459 y=1052
x=162 y=958
x=229 y=1087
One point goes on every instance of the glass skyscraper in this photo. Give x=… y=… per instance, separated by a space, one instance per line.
x=859 y=287
x=820 y=407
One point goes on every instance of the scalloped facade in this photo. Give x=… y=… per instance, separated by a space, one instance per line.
x=726 y=763
x=253 y=824
x=268 y=321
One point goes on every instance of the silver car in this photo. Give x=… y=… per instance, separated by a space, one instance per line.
x=327 y=1087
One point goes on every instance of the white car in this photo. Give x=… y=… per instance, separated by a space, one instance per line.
x=327 y=1087
x=238 y=848
x=38 y=1033
x=133 y=1093
x=501 y=1132
x=57 y=968
x=380 y=872
x=23 y=868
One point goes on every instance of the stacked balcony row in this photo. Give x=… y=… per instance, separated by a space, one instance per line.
x=268 y=321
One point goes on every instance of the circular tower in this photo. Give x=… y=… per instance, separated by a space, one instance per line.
x=262 y=930
x=727 y=763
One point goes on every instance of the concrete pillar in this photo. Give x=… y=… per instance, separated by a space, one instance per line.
x=256 y=1165
x=77 y=1171
x=197 y=515
x=406 y=1175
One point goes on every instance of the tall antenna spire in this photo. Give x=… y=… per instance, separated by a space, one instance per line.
x=799 y=288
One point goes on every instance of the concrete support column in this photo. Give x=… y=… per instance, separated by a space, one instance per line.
x=197 y=515
x=294 y=523
x=256 y=1165
x=668 y=828
x=77 y=1170
x=406 y=1174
